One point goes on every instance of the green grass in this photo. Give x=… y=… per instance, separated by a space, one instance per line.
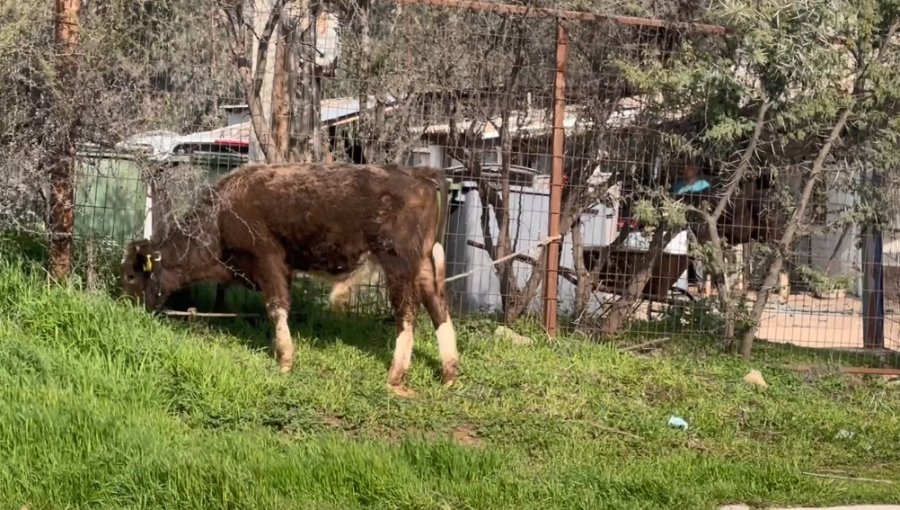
x=103 y=406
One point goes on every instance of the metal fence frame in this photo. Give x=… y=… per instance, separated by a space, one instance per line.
x=873 y=308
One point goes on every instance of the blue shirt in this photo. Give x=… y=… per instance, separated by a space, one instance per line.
x=680 y=186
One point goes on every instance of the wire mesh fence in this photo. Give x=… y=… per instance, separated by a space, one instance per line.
x=610 y=175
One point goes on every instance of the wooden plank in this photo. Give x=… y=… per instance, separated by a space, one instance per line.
x=851 y=370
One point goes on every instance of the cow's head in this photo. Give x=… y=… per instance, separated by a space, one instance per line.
x=141 y=274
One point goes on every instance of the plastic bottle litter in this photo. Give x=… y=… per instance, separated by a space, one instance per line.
x=677 y=422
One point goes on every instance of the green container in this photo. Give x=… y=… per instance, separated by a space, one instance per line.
x=109 y=198
x=110 y=195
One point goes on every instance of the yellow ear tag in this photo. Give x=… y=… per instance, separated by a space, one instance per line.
x=148 y=264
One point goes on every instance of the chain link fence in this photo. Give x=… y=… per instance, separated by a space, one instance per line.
x=612 y=176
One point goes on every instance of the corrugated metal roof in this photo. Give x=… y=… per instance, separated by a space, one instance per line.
x=336 y=110
x=332 y=109
x=539 y=121
x=240 y=132
x=163 y=142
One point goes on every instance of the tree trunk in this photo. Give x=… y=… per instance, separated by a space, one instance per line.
x=719 y=270
x=62 y=213
x=519 y=303
x=314 y=80
x=624 y=307
x=281 y=113
x=62 y=168
x=583 y=289
x=365 y=121
x=508 y=286
x=258 y=77
x=304 y=87
x=377 y=131
x=162 y=204
x=504 y=247
x=787 y=238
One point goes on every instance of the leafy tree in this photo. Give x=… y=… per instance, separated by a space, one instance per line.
x=800 y=89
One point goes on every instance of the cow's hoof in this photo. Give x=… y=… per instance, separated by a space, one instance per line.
x=285 y=366
x=449 y=375
x=401 y=390
x=396 y=376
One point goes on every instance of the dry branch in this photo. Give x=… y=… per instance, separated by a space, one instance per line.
x=787 y=238
x=849 y=478
x=850 y=370
x=565 y=272
x=741 y=170
x=644 y=345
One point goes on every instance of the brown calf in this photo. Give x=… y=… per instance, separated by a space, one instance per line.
x=262 y=222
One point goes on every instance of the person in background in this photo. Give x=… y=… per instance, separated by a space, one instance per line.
x=689 y=181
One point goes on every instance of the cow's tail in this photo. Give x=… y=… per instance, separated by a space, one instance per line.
x=438 y=256
x=440 y=269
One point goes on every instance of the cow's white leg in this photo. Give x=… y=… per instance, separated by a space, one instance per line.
x=446 y=337
x=404 y=302
x=431 y=287
x=274 y=279
x=402 y=352
x=282 y=343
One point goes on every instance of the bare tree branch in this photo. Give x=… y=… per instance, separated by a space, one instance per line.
x=787 y=239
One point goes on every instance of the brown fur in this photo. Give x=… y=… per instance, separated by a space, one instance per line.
x=262 y=222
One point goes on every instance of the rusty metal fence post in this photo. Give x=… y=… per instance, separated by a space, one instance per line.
x=67 y=30
x=551 y=276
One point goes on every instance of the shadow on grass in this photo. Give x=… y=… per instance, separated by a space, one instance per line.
x=311 y=321
x=691 y=332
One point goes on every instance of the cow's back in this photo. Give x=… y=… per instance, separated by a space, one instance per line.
x=328 y=216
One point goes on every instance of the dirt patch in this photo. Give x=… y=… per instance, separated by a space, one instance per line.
x=390 y=435
x=694 y=443
x=657 y=394
x=335 y=422
x=834 y=323
x=466 y=435
x=371 y=431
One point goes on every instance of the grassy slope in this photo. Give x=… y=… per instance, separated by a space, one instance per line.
x=102 y=406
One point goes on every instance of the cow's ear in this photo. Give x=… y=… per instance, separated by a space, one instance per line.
x=136 y=247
